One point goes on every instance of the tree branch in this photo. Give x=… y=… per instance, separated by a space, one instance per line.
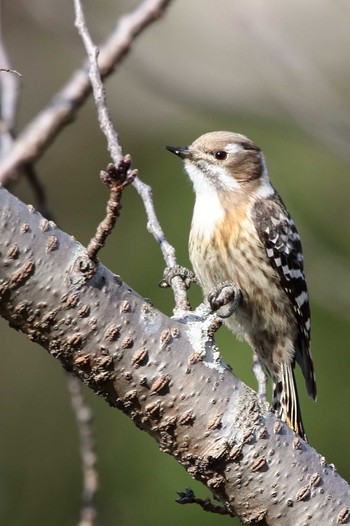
x=116 y=178
x=116 y=152
x=165 y=374
x=38 y=135
x=188 y=497
x=83 y=416
x=9 y=83
x=82 y=412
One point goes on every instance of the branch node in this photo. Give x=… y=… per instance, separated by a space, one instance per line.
x=86 y=266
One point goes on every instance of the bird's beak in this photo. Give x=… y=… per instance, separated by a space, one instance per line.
x=181 y=151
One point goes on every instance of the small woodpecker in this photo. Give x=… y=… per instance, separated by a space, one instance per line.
x=242 y=233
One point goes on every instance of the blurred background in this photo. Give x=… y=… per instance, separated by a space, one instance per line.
x=275 y=71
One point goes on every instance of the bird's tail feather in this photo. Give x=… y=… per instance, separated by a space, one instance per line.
x=286 y=402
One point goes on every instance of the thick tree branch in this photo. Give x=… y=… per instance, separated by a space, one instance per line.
x=165 y=374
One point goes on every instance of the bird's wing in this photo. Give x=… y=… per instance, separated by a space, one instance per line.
x=281 y=240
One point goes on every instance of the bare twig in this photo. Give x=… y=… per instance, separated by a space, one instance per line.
x=8 y=105
x=116 y=153
x=39 y=191
x=9 y=84
x=99 y=93
x=188 y=497
x=11 y=71
x=38 y=135
x=87 y=451
x=117 y=178
x=153 y=226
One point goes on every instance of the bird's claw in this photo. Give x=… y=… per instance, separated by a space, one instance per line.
x=184 y=273
x=225 y=294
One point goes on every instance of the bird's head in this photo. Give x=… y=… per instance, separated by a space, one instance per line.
x=224 y=161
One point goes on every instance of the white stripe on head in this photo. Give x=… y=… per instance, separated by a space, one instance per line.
x=265 y=189
x=234 y=147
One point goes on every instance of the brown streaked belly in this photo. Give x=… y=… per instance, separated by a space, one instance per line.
x=242 y=260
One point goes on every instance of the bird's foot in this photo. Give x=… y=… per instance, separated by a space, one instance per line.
x=184 y=273
x=226 y=294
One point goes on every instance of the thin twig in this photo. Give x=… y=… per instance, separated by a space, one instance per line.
x=39 y=191
x=99 y=92
x=153 y=226
x=11 y=71
x=115 y=150
x=9 y=83
x=10 y=88
x=117 y=178
x=39 y=134
x=87 y=451
x=188 y=497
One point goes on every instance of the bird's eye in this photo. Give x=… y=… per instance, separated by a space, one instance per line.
x=220 y=155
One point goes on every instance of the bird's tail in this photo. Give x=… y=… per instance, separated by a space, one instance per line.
x=286 y=402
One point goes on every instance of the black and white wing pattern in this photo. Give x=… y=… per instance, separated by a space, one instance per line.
x=281 y=240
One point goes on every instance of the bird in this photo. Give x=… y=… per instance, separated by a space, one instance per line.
x=242 y=233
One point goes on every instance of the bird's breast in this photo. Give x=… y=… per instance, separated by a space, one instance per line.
x=216 y=245
x=233 y=252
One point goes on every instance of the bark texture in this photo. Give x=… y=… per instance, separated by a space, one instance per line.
x=166 y=374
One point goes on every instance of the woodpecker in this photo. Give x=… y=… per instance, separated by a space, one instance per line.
x=242 y=233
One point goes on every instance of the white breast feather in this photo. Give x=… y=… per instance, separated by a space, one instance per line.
x=208 y=210
x=206 y=214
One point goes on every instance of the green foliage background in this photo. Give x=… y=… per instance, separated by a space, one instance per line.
x=40 y=479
